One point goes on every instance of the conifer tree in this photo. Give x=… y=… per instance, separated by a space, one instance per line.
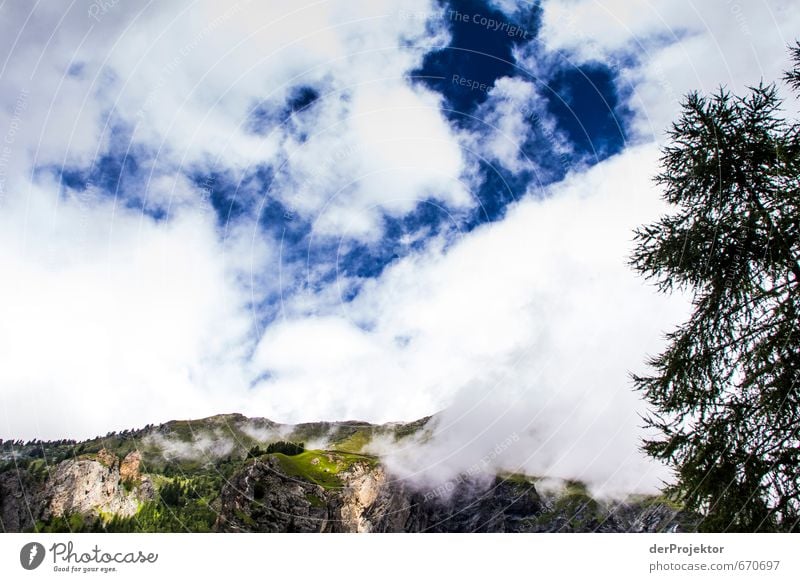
x=724 y=393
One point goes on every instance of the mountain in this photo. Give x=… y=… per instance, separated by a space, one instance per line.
x=231 y=473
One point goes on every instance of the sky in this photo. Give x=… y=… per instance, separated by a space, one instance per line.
x=338 y=209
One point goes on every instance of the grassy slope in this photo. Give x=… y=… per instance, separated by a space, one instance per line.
x=321 y=467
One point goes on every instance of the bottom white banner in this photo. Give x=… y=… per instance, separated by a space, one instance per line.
x=333 y=557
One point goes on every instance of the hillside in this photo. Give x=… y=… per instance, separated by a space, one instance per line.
x=220 y=474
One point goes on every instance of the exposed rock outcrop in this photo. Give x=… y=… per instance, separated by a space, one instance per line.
x=93 y=487
x=97 y=486
x=262 y=498
x=130 y=468
x=19 y=501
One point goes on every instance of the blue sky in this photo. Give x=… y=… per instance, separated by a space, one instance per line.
x=337 y=210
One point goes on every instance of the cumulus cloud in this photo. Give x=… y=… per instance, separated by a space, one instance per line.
x=663 y=49
x=111 y=320
x=115 y=317
x=514 y=111
x=507 y=113
x=379 y=153
x=525 y=327
x=182 y=82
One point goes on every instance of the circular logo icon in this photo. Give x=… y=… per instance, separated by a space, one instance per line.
x=31 y=555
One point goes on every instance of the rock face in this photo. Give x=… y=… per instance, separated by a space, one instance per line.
x=96 y=487
x=130 y=468
x=91 y=486
x=19 y=501
x=272 y=494
x=262 y=498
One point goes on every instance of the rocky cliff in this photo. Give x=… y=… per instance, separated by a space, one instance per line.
x=96 y=487
x=262 y=497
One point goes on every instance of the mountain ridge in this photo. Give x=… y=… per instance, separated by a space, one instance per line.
x=212 y=474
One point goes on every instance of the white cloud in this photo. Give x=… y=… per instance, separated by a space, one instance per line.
x=527 y=326
x=203 y=447
x=513 y=108
x=507 y=115
x=111 y=320
x=676 y=47
x=382 y=151
x=184 y=78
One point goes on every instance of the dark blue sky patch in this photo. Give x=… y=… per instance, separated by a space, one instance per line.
x=301 y=98
x=428 y=219
x=265 y=117
x=479 y=53
x=288 y=228
x=111 y=174
x=73 y=178
x=324 y=260
x=401 y=236
x=123 y=165
x=230 y=196
x=585 y=103
x=120 y=172
x=498 y=189
x=327 y=259
x=221 y=190
x=256 y=181
x=367 y=261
